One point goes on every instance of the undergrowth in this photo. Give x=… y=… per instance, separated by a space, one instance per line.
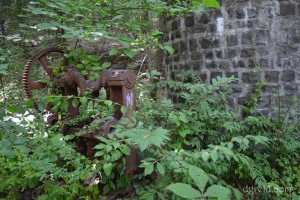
x=197 y=149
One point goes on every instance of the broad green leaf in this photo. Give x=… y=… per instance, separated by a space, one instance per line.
x=23 y=149
x=211 y=3
x=230 y=145
x=94 y=58
x=23 y=25
x=125 y=149
x=107 y=167
x=45 y=26
x=8 y=153
x=148 y=168
x=106 y=64
x=83 y=100
x=160 y=168
x=238 y=195
x=199 y=176
x=214 y=155
x=99 y=153
x=68 y=35
x=184 y=190
x=41 y=106
x=218 y=191
x=64 y=104
x=183 y=132
x=147 y=196
x=20 y=140
x=117 y=17
x=205 y=156
x=113 y=51
x=108 y=102
x=125 y=43
x=130 y=53
x=12 y=109
x=169 y=49
x=90 y=104
x=75 y=102
x=143 y=145
x=100 y=146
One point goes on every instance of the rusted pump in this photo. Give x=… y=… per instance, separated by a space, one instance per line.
x=119 y=84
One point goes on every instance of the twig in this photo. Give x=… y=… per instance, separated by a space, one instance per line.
x=142 y=65
x=2 y=87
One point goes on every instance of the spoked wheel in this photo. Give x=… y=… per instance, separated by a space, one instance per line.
x=38 y=75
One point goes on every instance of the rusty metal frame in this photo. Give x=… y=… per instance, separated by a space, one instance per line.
x=119 y=85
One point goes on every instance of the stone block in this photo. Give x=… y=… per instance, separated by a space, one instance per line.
x=184 y=56
x=234 y=74
x=216 y=43
x=167 y=60
x=203 y=76
x=230 y=101
x=252 y=13
x=176 y=35
x=247 y=38
x=230 y=12
x=175 y=58
x=185 y=67
x=240 y=14
x=204 y=19
x=173 y=75
x=239 y=64
x=243 y=100
x=237 y=90
x=264 y=63
x=247 y=53
x=212 y=28
x=189 y=21
x=196 y=56
x=291 y=89
x=265 y=102
x=250 y=24
x=183 y=46
x=287 y=9
x=270 y=88
x=219 y=54
x=231 y=40
x=209 y=55
x=193 y=44
x=197 y=65
x=231 y=53
x=225 y=65
x=211 y=65
x=199 y=29
x=175 y=46
x=262 y=37
x=251 y=63
x=288 y=76
x=206 y=43
x=263 y=51
x=215 y=75
x=175 y=25
x=272 y=76
x=250 y=77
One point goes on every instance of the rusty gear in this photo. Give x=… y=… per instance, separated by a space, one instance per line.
x=40 y=57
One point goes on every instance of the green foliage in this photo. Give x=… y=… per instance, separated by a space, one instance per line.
x=131 y=24
x=30 y=156
x=198 y=147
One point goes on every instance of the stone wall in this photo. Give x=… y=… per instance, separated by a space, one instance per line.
x=238 y=39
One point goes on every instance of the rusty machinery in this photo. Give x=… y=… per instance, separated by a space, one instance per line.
x=119 y=84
